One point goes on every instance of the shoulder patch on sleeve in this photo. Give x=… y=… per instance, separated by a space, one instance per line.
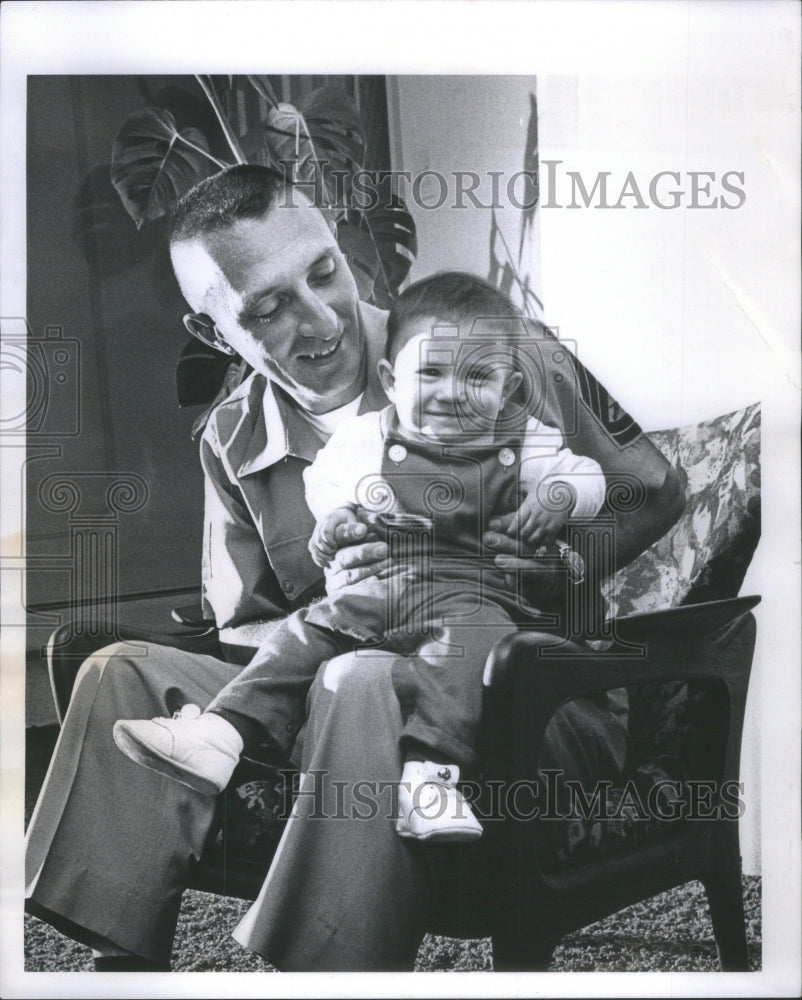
x=614 y=419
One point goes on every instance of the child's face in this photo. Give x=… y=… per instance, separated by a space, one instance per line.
x=447 y=388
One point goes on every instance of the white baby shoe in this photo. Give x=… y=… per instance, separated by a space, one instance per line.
x=431 y=807
x=198 y=749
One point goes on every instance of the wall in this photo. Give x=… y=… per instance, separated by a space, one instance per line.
x=453 y=124
x=695 y=302
x=690 y=297
x=110 y=289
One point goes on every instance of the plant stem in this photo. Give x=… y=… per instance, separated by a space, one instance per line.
x=525 y=291
x=231 y=139
x=373 y=240
x=220 y=163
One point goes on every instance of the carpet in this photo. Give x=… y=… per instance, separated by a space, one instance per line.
x=668 y=933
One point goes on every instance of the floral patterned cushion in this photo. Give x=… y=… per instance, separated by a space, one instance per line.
x=646 y=806
x=705 y=555
x=251 y=813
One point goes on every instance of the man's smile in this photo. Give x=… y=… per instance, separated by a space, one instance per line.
x=322 y=353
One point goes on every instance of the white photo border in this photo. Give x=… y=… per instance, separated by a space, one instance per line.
x=574 y=38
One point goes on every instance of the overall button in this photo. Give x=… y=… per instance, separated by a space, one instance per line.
x=506 y=456
x=397 y=453
x=287 y=587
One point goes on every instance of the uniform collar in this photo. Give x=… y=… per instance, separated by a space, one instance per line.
x=289 y=433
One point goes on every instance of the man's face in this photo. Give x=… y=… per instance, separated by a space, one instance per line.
x=442 y=388
x=281 y=295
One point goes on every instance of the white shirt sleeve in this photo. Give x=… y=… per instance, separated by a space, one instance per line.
x=545 y=459
x=346 y=466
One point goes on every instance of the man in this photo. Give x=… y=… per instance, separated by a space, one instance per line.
x=284 y=299
x=110 y=843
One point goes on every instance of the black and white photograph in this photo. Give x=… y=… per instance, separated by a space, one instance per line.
x=400 y=456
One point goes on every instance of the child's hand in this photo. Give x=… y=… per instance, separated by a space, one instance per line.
x=341 y=526
x=533 y=524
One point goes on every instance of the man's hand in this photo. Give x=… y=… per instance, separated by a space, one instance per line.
x=341 y=527
x=354 y=551
x=526 y=571
x=357 y=562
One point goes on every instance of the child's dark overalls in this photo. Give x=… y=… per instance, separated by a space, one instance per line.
x=444 y=607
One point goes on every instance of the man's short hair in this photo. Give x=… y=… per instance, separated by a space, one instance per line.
x=246 y=191
x=455 y=298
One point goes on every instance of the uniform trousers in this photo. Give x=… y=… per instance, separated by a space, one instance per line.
x=438 y=679
x=345 y=892
x=111 y=844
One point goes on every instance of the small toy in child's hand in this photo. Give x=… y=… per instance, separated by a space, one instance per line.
x=567 y=556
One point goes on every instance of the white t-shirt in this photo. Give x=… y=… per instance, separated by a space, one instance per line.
x=326 y=423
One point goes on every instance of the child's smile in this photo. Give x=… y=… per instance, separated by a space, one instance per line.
x=441 y=388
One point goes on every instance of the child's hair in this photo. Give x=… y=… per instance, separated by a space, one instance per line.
x=458 y=298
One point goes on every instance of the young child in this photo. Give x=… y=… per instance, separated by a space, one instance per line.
x=427 y=472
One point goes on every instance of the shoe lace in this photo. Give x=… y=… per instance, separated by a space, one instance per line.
x=187 y=712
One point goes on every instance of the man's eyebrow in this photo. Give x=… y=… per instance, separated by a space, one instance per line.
x=255 y=298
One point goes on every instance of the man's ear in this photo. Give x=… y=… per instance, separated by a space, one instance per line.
x=511 y=385
x=386 y=377
x=202 y=326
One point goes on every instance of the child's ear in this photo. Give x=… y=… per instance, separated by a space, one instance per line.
x=386 y=377
x=511 y=385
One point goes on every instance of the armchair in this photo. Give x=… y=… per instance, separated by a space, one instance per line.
x=527 y=883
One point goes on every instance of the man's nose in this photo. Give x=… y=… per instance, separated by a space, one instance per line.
x=317 y=318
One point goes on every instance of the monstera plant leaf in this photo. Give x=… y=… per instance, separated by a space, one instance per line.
x=362 y=257
x=153 y=163
x=335 y=126
x=324 y=139
x=379 y=246
x=102 y=230
x=392 y=232
x=261 y=84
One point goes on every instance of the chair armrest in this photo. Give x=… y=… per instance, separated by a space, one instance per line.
x=71 y=644
x=618 y=664
x=687 y=619
x=565 y=670
x=192 y=616
x=528 y=681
